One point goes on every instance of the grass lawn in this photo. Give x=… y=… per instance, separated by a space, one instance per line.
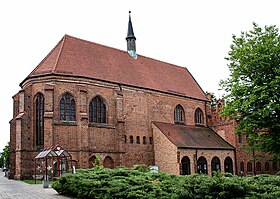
x=32 y=181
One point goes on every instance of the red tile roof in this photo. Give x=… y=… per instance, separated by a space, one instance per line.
x=77 y=57
x=184 y=136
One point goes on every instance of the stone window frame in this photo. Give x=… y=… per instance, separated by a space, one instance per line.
x=39 y=119
x=198 y=117
x=67 y=108
x=97 y=110
x=179 y=114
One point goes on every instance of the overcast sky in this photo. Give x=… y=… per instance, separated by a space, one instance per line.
x=192 y=34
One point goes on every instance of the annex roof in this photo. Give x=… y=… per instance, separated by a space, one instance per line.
x=198 y=137
x=80 y=58
x=53 y=151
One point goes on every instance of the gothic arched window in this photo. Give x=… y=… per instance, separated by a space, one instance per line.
x=198 y=116
x=67 y=108
x=179 y=114
x=39 y=120
x=97 y=110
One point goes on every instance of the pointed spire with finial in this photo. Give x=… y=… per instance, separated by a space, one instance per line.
x=130 y=39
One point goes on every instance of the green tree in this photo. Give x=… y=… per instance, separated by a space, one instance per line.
x=5 y=155
x=1 y=160
x=253 y=87
x=212 y=98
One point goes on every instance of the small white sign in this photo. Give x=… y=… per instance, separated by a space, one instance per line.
x=154 y=169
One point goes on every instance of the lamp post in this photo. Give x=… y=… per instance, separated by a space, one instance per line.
x=46 y=179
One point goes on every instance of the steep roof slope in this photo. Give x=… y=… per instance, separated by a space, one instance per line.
x=192 y=136
x=77 y=57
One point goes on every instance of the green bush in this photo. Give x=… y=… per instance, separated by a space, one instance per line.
x=138 y=182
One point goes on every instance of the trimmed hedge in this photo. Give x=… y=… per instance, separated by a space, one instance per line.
x=140 y=183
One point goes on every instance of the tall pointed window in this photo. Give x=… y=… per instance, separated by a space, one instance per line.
x=198 y=116
x=39 y=120
x=97 y=110
x=67 y=108
x=179 y=114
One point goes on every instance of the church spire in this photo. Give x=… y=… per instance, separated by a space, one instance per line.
x=130 y=39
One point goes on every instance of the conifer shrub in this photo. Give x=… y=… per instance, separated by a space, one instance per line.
x=139 y=182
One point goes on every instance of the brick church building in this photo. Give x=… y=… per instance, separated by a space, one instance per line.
x=126 y=108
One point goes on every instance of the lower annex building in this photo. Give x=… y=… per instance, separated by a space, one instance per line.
x=125 y=108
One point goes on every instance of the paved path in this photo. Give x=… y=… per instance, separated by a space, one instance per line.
x=15 y=189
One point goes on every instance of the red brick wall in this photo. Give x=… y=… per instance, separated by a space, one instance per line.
x=165 y=153
x=130 y=112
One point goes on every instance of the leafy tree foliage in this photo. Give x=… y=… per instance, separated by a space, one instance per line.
x=253 y=88
x=5 y=156
x=213 y=99
x=1 y=160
